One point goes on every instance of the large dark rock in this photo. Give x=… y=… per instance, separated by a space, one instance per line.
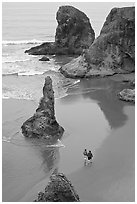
x=73 y=34
x=43 y=49
x=43 y=123
x=112 y=52
x=74 y=31
x=59 y=189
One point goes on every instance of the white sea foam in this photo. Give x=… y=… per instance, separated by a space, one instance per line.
x=14 y=61
x=75 y=82
x=20 y=42
x=30 y=73
x=17 y=95
x=58 y=144
x=19 y=72
x=5 y=97
x=6 y=139
x=26 y=96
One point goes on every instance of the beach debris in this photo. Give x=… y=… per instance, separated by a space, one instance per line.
x=59 y=189
x=43 y=123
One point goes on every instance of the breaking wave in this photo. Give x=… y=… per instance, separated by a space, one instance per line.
x=21 y=42
x=30 y=73
x=14 y=61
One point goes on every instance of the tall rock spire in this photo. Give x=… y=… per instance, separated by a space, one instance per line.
x=43 y=123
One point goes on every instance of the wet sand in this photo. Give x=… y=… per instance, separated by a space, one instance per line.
x=111 y=176
x=24 y=162
x=93 y=118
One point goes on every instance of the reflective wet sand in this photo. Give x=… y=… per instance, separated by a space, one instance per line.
x=93 y=118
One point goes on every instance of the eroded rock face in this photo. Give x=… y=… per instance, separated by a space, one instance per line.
x=113 y=51
x=73 y=34
x=59 y=189
x=43 y=123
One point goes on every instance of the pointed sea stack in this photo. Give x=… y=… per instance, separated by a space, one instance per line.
x=43 y=123
x=59 y=189
x=73 y=34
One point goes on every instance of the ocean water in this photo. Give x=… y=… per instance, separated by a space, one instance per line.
x=28 y=24
x=26 y=162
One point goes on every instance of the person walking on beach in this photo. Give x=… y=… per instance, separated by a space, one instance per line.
x=90 y=156
x=85 y=156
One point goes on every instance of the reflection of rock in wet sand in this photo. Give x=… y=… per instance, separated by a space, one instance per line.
x=105 y=91
x=49 y=153
x=50 y=158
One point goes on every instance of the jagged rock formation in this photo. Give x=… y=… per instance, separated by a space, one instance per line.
x=73 y=34
x=43 y=123
x=127 y=95
x=59 y=189
x=112 y=52
x=74 y=31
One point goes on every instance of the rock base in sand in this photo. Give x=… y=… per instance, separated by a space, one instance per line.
x=43 y=123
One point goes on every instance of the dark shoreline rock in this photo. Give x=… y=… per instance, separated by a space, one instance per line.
x=44 y=58
x=73 y=34
x=43 y=49
x=59 y=189
x=43 y=123
x=112 y=52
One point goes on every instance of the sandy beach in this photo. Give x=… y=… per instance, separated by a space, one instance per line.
x=93 y=118
x=110 y=178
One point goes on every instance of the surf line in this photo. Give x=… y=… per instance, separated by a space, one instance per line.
x=9 y=139
x=58 y=144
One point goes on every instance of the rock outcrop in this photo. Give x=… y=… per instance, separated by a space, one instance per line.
x=44 y=58
x=112 y=52
x=127 y=95
x=59 y=189
x=73 y=34
x=43 y=123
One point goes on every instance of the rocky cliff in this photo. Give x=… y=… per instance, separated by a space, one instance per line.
x=43 y=123
x=112 y=52
x=73 y=34
x=59 y=189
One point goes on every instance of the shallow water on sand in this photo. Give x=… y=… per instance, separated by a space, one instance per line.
x=89 y=113
x=111 y=177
